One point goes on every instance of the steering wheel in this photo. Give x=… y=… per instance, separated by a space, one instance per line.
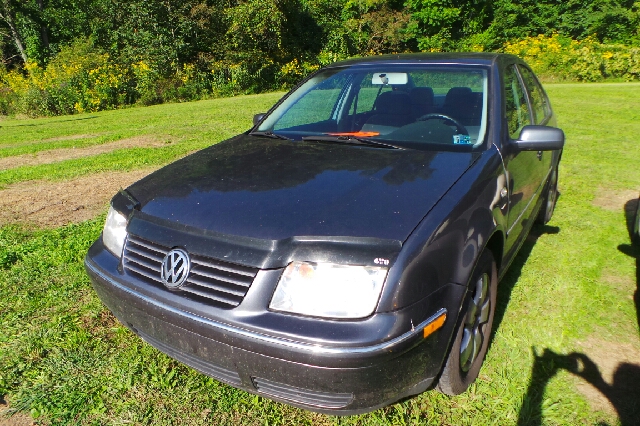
x=434 y=116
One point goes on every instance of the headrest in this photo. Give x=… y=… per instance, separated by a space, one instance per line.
x=396 y=103
x=422 y=96
x=457 y=95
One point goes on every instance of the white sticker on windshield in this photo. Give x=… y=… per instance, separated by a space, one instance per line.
x=461 y=139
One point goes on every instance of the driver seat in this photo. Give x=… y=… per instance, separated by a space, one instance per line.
x=422 y=101
x=464 y=105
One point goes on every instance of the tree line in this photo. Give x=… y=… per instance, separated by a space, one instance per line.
x=229 y=46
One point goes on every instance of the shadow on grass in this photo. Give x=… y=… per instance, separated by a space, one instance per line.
x=511 y=277
x=631 y=250
x=623 y=393
x=634 y=251
x=630 y=208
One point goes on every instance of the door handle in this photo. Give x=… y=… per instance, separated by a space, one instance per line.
x=504 y=199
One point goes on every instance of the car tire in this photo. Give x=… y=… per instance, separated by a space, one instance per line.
x=550 y=198
x=472 y=338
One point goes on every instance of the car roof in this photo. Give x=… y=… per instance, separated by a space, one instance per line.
x=463 y=58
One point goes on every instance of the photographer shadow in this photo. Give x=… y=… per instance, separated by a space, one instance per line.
x=623 y=392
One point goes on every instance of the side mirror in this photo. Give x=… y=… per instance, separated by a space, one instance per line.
x=539 y=138
x=258 y=118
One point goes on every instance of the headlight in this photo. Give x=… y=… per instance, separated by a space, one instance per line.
x=329 y=290
x=115 y=231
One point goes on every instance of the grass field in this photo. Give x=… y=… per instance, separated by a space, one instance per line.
x=566 y=348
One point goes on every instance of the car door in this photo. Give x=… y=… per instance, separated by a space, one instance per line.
x=526 y=170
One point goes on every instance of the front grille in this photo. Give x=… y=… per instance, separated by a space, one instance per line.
x=209 y=279
x=302 y=396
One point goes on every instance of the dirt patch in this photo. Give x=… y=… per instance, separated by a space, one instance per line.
x=61 y=154
x=613 y=199
x=609 y=373
x=52 y=204
x=622 y=283
x=19 y=419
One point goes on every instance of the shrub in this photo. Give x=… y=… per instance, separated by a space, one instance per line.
x=78 y=79
x=559 y=57
x=244 y=75
x=82 y=79
x=292 y=72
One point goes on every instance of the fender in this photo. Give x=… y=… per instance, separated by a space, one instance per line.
x=459 y=227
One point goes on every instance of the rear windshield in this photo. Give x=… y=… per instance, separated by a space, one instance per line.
x=415 y=106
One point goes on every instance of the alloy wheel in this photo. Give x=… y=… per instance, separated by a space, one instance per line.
x=475 y=323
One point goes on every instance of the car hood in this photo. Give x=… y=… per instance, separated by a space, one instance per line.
x=275 y=189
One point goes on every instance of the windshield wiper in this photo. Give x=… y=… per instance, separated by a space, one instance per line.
x=270 y=135
x=353 y=140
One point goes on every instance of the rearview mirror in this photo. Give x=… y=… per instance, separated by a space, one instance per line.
x=539 y=138
x=258 y=118
x=393 y=78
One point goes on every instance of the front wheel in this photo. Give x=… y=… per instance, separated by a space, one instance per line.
x=472 y=339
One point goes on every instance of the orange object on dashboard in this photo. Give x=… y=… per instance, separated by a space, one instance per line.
x=357 y=134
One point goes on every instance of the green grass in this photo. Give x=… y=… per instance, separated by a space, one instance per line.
x=184 y=127
x=209 y=118
x=65 y=360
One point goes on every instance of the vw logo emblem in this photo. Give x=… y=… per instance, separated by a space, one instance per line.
x=175 y=268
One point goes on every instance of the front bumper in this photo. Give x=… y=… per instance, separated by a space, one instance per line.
x=329 y=378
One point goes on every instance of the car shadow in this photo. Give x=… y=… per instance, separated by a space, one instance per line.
x=629 y=213
x=623 y=393
x=511 y=277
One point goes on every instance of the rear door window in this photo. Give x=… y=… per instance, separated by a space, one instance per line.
x=539 y=103
x=517 y=108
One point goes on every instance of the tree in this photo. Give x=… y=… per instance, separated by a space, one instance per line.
x=8 y=16
x=443 y=24
x=377 y=26
x=608 y=20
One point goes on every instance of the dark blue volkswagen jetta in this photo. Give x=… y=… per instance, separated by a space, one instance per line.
x=345 y=252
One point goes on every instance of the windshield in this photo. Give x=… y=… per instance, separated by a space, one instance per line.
x=414 y=106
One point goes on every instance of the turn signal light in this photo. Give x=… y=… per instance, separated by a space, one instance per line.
x=433 y=326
